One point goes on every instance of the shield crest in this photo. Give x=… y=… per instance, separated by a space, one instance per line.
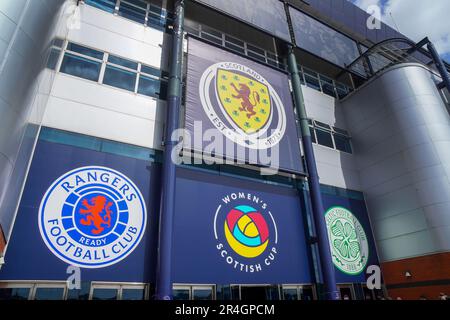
x=246 y=101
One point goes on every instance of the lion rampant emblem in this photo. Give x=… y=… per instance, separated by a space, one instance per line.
x=245 y=94
x=93 y=213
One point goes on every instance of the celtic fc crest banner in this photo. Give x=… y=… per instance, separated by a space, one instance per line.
x=350 y=236
x=243 y=108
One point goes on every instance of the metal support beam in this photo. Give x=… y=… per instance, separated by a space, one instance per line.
x=439 y=64
x=167 y=209
x=328 y=272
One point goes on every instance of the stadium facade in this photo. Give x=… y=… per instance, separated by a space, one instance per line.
x=91 y=90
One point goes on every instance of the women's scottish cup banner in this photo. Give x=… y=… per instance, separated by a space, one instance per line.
x=240 y=110
x=234 y=231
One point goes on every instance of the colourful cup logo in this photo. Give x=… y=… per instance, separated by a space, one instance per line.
x=246 y=231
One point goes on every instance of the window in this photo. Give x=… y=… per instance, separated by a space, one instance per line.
x=82 y=62
x=118 y=72
x=327 y=86
x=138 y=11
x=106 y=5
x=311 y=79
x=121 y=73
x=135 y=10
x=150 y=84
x=105 y=294
x=324 y=138
x=49 y=292
x=202 y=293
x=15 y=291
x=331 y=137
x=342 y=143
x=303 y=292
x=195 y=292
x=107 y=291
x=133 y=294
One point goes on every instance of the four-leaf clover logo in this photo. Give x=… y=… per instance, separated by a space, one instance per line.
x=346 y=241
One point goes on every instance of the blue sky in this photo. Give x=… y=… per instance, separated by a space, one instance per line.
x=417 y=19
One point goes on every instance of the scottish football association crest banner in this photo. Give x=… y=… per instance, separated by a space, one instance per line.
x=240 y=110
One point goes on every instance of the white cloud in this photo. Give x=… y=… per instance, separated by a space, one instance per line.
x=417 y=19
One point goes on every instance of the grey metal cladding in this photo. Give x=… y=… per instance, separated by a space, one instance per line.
x=24 y=39
x=401 y=133
x=268 y=15
x=323 y=41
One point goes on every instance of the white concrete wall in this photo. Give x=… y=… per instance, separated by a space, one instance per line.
x=335 y=168
x=89 y=108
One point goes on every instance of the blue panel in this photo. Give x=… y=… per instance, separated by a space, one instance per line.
x=359 y=210
x=28 y=257
x=268 y=15
x=323 y=41
x=203 y=212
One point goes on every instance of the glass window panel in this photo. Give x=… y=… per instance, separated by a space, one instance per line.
x=256 y=49
x=324 y=138
x=213 y=39
x=322 y=40
x=123 y=62
x=151 y=70
x=106 y=5
x=322 y=125
x=235 y=47
x=312 y=82
x=256 y=56
x=120 y=78
x=79 y=294
x=290 y=294
x=342 y=143
x=49 y=294
x=152 y=87
x=306 y=294
x=139 y=3
x=234 y=41
x=212 y=32
x=80 y=67
x=14 y=293
x=133 y=294
x=180 y=294
x=202 y=294
x=156 y=21
x=131 y=12
x=104 y=294
x=85 y=51
x=53 y=58
x=328 y=89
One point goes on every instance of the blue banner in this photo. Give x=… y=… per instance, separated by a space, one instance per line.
x=351 y=239
x=268 y=15
x=85 y=208
x=233 y=231
x=240 y=110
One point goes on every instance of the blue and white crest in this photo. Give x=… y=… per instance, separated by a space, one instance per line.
x=92 y=217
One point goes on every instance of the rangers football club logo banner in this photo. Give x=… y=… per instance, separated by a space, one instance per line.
x=89 y=209
x=249 y=106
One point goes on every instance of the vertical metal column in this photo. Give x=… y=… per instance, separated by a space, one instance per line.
x=439 y=64
x=164 y=266
x=329 y=279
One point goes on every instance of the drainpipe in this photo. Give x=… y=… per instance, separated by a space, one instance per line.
x=439 y=64
x=167 y=210
x=328 y=274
